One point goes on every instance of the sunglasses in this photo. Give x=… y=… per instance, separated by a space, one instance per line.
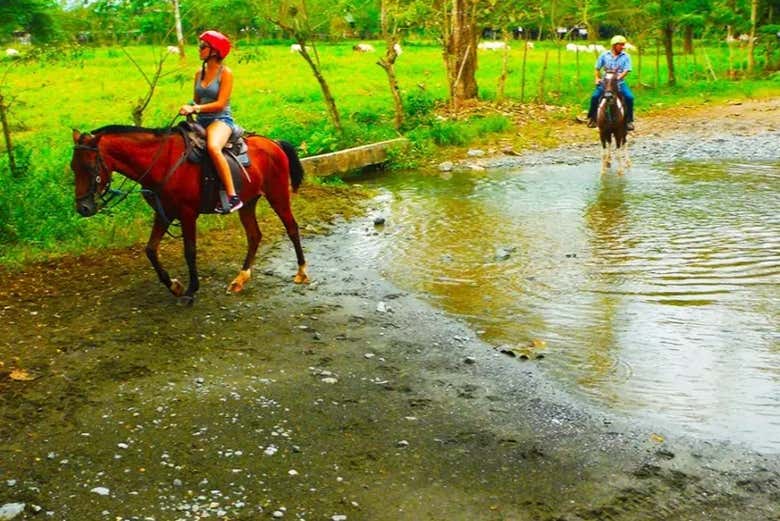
x=203 y=46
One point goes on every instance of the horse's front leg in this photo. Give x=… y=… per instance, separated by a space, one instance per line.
x=253 y=237
x=622 y=154
x=152 y=253
x=605 y=157
x=188 y=230
x=626 y=159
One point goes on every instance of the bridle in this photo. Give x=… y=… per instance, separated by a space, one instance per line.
x=96 y=170
x=611 y=94
x=609 y=80
x=109 y=194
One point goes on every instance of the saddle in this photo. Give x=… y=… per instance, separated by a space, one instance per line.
x=236 y=152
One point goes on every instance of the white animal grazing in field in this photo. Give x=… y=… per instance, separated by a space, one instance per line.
x=363 y=47
x=492 y=46
x=529 y=45
x=172 y=49
x=11 y=53
x=571 y=47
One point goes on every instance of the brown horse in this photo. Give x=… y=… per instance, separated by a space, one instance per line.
x=155 y=158
x=611 y=119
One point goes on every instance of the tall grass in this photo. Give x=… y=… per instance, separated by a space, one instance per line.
x=275 y=94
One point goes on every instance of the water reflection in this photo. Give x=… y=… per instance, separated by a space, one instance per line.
x=656 y=292
x=606 y=219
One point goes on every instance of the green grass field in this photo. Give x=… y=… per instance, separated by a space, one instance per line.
x=276 y=94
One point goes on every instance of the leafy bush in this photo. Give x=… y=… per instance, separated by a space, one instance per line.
x=419 y=104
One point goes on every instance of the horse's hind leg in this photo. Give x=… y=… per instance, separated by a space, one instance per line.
x=253 y=237
x=152 y=252
x=281 y=205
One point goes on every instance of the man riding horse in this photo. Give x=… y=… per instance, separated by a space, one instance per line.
x=619 y=62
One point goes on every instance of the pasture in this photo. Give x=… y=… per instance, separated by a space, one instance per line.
x=276 y=95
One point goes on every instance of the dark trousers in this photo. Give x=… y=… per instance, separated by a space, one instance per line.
x=628 y=97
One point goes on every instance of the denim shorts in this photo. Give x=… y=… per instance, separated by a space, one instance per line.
x=205 y=121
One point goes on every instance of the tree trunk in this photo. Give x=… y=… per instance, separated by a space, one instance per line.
x=523 y=71
x=502 y=79
x=668 y=33
x=540 y=99
x=639 y=48
x=460 y=53
x=7 y=135
x=751 y=61
x=387 y=62
x=688 y=40
x=179 y=32
x=330 y=103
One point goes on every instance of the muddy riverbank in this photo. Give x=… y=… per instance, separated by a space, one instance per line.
x=343 y=399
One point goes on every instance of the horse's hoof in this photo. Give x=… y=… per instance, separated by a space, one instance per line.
x=176 y=287
x=238 y=283
x=301 y=278
x=186 y=300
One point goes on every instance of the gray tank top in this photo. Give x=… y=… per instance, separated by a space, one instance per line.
x=209 y=94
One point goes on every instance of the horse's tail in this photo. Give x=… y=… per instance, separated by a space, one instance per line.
x=296 y=168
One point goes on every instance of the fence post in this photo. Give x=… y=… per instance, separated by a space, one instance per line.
x=7 y=134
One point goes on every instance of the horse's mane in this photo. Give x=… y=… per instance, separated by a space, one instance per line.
x=128 y=129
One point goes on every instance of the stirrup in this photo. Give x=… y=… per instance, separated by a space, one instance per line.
x=234 y=203
x=592 y=123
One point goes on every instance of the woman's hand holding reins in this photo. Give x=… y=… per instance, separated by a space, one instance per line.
x=187 y=110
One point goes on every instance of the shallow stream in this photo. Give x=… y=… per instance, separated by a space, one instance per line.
x=655 y=294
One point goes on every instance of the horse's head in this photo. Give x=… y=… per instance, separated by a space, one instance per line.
x=609 y=84
x=93 y=178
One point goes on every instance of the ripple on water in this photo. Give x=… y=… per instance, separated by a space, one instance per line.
x=656 y=293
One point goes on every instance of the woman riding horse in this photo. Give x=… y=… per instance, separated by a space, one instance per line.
x=213 y=85
x=619 y=62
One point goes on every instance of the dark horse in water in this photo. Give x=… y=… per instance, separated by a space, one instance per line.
x=155 y=158
x=611 y=119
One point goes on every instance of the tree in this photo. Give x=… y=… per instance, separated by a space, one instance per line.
x=292 y=17
x=459 y=37
x=751 y=41
x=32 y=16
x=179 y=32
x=390 y=14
